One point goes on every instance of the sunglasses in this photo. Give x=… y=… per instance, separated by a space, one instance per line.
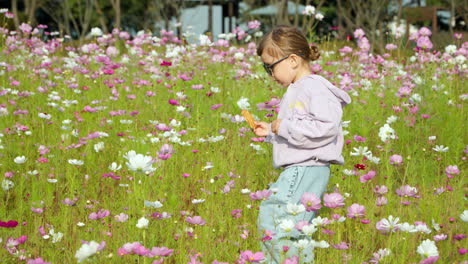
x=269 y=67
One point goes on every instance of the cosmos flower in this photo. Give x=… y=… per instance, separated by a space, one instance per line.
x=87 y=250
x=139 y=162
x=388 y=225
x=142 y=223
x=428 y=248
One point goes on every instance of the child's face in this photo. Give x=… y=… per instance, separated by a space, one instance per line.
x=281 y=69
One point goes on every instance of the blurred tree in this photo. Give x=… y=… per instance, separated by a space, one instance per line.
x=369 y=15
x=73 y=17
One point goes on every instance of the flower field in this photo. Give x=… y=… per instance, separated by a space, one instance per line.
x=133 y=150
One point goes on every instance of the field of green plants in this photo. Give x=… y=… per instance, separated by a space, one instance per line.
x=133 y=150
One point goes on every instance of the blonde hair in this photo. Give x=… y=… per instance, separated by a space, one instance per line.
x=286 y=40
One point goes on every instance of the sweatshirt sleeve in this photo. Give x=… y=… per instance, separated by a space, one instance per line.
x=314 y=121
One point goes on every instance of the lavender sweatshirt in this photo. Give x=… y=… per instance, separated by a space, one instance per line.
x=310 y=132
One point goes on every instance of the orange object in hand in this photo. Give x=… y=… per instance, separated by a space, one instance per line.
x=249 y=118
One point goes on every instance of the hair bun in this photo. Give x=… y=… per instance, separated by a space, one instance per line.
x=314 y=53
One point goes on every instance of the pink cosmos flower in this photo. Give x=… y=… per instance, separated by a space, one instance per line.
x=121 y=217
x=380 y=190
x=269 y=105
x=165 y=152
x=367 y=177
x=37 y=210
x=424 y=43
x=440 y=237
x=429 y=260
x=356 y=211
x=254 y=24
x=391 y=46
x=196 y=220
x=260 y=195
x=160 y=251
x=424 y=31
x=333 y=200
x=381 y=201
x=252 y=257
x=359 y=33
x=396 y=160
x=311 y=202
x=69 y=201
x=451 y=170
x=173 y=102
x=100 y=214
x=359 y=138
x=342 y=245
x=462 y=251
x=236 y=213
x=292 y=260
x=216 y=106
x=37 y=261
x=407 y=191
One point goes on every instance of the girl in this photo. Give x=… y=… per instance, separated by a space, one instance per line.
x=307 y=137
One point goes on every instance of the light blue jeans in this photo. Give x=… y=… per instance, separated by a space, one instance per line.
x=292 y=183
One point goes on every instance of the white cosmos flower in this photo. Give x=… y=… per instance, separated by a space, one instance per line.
x=56 y=237
x=96 y=32
x=243 y=103
x=361 y=151
x=7 y=184
x=75 y=162
x=432 y=138
x=180 y=108
x=389 y=225
x=319 y=16
x=302 y=244
x=427 y=249
x=319 y=221
x=435 y=225
x=406 y=227
x=155 y=204
x=287 y=225
x=391 y=119
x=139 y=162
x=45 y=116
x=245 y=191
x=309 y=10
x=423 y=229
x=115 y=167
x=308 y=230
x=440 y=148
x=197 y=201
x=86 y=251
x=295 y=209
x=348 y=172
x=464 y=216
x=373 y=159
x=142 y=223
x=451 y=49
x=319 y=244
x=20 y=159
x=99 y=146
x=386 y=133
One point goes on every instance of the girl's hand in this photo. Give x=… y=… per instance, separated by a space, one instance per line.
x=261 y=129
x=275 y=126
